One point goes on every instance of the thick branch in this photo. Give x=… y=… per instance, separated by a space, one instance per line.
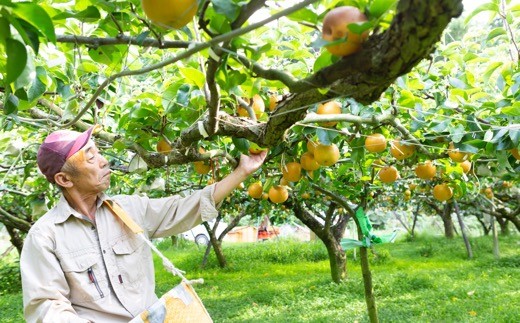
x=228 y=125
x=415 y=29
x=247 y=11
x=16 y=222
x=363 y=76
x=260 y=71
x=197 y=47
x=80 y=125
x=120 y=40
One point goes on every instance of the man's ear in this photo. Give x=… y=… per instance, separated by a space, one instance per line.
x=63 y=180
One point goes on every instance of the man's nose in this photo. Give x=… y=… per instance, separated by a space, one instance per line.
x=103 y=162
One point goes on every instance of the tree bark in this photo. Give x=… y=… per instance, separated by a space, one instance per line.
x=504 y=225
x=330 y=236
x=337 y=260
x=16 y=239
x=445 y=214
x=463 y=230
x=415 y=216
x=364 y=76
x=449 y=229
x=485 y=228
x=370 y=298
x=216 y=242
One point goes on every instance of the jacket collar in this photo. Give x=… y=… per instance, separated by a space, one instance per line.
x=64 y=210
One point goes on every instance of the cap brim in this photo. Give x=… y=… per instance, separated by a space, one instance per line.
x=80 y=142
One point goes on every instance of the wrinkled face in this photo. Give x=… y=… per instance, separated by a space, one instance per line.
x=88 y=170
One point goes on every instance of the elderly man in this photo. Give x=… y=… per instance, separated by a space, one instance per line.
x=80 y=263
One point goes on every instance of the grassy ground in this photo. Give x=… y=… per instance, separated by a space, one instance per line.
x=426 y=280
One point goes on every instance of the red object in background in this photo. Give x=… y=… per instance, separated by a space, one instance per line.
x=263 y=234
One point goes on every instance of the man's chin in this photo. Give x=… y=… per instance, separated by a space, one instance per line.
x=104 y=183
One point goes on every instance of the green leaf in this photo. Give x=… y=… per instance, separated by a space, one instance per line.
x=457 y=83
x=227 y=8
x=479 y=144
x=320 y=42
x=493 y=7
x=473 y=123
x=457 y=132
x=169 y=97
x=142 y=36
x=358 y=149
x=499 y=135
x=325 y=59
x=27 y=75
x=119 y=145
x=514 y=135
x=513 y=110
x=91 y=14
x=103 y=54
x=194 y=75
x=488 y=136
x=220 y=24
x=304 y=14
x=38 y=87
x=5 y=30
x=440 y=127
x=10 y=104
x=241 y=144
x=21 y=94
x=491 y=69
x=326 y=136
x=359 y=28
x=37 y=17
x=16 y=59
x=496 y=32
x=32 y=35
x=379 y=7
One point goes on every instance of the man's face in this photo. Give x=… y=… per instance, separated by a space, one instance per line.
x=92 y=173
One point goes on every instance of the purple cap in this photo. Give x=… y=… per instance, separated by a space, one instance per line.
x=58 y=147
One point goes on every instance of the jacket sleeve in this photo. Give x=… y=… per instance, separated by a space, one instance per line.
x=161 y=217
x=44 y=286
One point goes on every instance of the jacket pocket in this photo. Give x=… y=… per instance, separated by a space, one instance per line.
x=86 y=279
x=131 y=258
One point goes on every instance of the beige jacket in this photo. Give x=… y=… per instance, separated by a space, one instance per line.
x=77 y=271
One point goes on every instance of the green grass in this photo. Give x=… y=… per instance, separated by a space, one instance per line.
x=426 y=280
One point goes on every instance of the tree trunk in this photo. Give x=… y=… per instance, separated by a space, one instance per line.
x=449 y=230
x=370 y=298
x=175 y=240
x=496 y=251
x=463 y=230
x=337 y=260
x=216 y=244
x=504 y=226
x=415 y=216
x=485 y=228
x=217 y=248
x=513 y=218
x=16 y=239
x=330 y=236
x=206 y=255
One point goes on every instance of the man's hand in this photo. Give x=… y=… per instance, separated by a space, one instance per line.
x=247 y=166
x=250 y=163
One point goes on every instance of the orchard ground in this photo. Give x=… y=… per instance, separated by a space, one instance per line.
x=425 y=279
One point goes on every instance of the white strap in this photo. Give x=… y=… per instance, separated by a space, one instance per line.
x=165 y=261
x=130 y=223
